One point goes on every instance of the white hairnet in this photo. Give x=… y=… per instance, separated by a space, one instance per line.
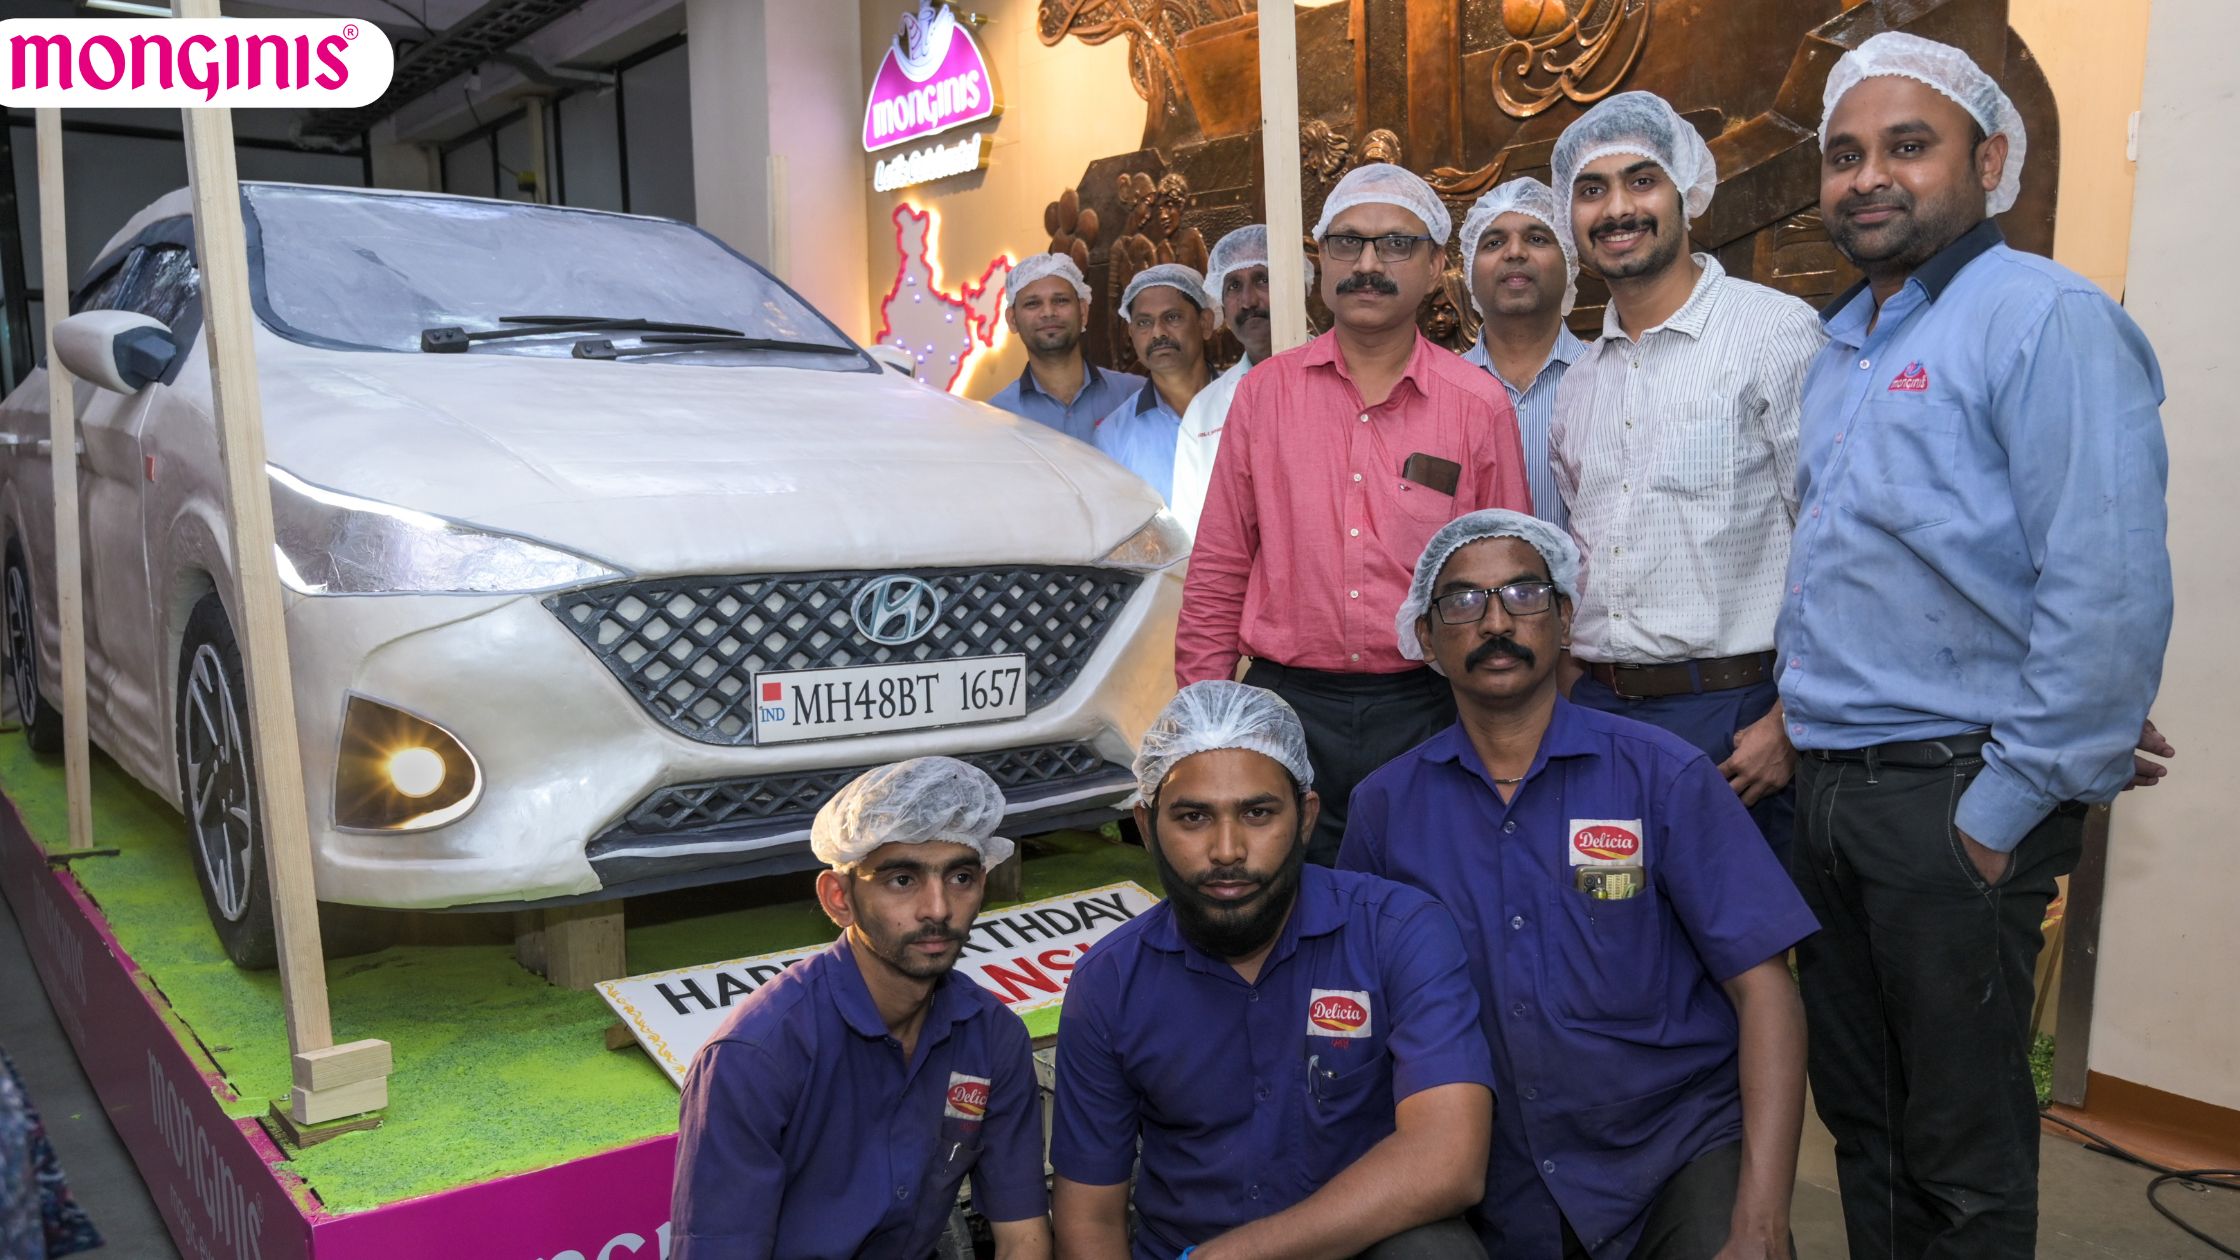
x=1640 y=123
x=1243 y=248
x=1040 y=267
x=911 y=802
x=1216 y=714
x=1183 y=280
x=1526 y=196
x=1948 y=71
x=1553 y=544
x=1382 y=183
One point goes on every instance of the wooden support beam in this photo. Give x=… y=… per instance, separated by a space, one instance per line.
x=1279 y=153
x=222 y=252
x=534 y=113
x=337 y=1066
x=1007 y=881
x=62 y=429
x=575 y=947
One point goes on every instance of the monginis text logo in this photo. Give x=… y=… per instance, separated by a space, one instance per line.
x=169 y=63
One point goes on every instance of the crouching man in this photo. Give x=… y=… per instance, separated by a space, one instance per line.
x=836 y=1111
x=1297 y=1049
x=1627 y=925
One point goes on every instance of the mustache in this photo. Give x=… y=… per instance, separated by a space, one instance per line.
x=1230 y=875
x=1631 y=223
x=1373 y=281
x=1857 y=203
x=1500 y=645
x=1249 y=313
x=930 y=935
x=1163 y=343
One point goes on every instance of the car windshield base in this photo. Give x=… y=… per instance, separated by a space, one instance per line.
x=679 y=343
x=451 y=339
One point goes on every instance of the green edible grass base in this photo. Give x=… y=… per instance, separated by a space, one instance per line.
x=497 y=1072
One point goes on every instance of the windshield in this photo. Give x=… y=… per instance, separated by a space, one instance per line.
x=351 y=270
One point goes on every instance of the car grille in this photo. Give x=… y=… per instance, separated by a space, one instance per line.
x=774 y=803
x=689 y=647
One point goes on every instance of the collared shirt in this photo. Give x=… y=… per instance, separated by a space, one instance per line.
x=1677 y=457
x=1249 y=1097
x=1536 y=410
x=1310 y=535
x=1614 y=1048
x=806 y=1135
x=1140 y=434
x=1101 y=391
x=1198 y=441
x=1983 y=538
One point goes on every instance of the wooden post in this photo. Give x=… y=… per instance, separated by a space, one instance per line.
x=575 y=947
x=222 y=251
x=1279 y=155
x=542 y=194
x=62 y=433
x=780 y=260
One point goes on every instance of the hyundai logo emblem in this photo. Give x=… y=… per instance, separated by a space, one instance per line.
x=897 y=609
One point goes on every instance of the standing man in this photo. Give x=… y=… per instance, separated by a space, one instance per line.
x=1293 y=1051
x=1046 y=302
x=1237 y=279
x=1977 y=606
x=1627 y=927
x=1675 y=442
x=1169 y=320
x=1340 y=460
x=837 y=1108
x=1523 y=277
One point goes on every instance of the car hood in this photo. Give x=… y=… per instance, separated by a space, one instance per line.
x=675 y=468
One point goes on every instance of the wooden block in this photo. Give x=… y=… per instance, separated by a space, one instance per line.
x=337 y=1066
x=1007 y=881
x=309 y=1107
x=619 y=1037
x=284 y=1129
x=584 y=945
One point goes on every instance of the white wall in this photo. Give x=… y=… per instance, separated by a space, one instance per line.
x=777 y=79
x=2164 y=1012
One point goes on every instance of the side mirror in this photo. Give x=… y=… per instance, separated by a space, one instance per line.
x=117 y=350
x=894 y=359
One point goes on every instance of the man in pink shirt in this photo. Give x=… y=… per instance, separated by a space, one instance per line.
x=1340 y=460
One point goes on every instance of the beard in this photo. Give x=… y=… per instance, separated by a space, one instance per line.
x=894 y=949
x=1060 y=340
x=1229 y=929
x=1663 y=250
x=1912 y=238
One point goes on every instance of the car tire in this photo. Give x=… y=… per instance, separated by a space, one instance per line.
x=42 y=722
x=218 y=788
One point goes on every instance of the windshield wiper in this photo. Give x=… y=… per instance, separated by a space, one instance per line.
x=455 y=340
x=673 y=342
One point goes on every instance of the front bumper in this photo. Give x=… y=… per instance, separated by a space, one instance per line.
x=587 y=795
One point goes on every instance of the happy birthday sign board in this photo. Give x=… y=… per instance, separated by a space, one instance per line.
x=1023 y=955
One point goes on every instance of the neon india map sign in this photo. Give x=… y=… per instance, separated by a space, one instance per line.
x=932 y=79
x=1023 y=954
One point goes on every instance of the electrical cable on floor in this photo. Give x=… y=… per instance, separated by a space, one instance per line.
x=2199 y=1178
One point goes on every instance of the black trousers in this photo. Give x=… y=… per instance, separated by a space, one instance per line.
x=1917 y=993
x=1690 y=1217
x=1355 y=723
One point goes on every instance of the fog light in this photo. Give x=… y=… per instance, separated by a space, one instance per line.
x=398 y=772
x=416 y=771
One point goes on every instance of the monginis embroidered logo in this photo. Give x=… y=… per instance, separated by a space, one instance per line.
x=1913 y=380
x=1337 y=1013
x=170 y=63
x=968 y=1097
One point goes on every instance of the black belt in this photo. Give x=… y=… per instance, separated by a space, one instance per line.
x=1682 y=678
x=1909 y=754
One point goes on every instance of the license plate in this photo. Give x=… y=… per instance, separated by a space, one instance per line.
x=800 y=704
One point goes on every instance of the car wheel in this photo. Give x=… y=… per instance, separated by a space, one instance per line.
x=218 y=788
x=42 y=722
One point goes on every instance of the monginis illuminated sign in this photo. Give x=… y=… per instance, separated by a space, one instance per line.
x=932 y=78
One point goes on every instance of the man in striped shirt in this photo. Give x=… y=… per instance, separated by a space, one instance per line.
x=1339 y=461
x=1675 y=449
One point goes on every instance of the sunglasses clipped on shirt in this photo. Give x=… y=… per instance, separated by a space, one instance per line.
x=1346 y=247
x=1518 y=599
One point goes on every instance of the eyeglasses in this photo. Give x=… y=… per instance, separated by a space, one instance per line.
x=1346 y=247
x=1518 y=599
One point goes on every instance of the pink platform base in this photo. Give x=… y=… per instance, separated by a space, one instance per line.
x=220 y=1183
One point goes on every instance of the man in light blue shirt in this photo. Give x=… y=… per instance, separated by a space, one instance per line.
x=1170 y=320
x=1046 y=302
x=1524 y=278
x=1972 y=632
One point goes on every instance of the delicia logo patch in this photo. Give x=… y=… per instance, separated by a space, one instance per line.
x=1913 y=380
x=968 y=1097
x=1337 y=1013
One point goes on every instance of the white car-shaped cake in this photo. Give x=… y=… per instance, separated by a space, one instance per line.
x=607 y=558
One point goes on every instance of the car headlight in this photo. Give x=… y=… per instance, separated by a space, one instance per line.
x=397 y=772
x=330 y=543
x=1160 y=542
